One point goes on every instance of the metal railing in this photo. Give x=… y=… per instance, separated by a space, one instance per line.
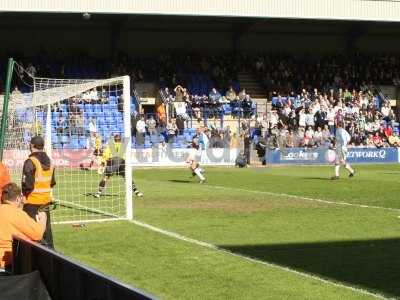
x=65 y=278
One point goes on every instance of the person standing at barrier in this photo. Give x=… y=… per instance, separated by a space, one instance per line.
x=37 y=181
x=4 y=176
x=14 y=221
x=342 y=138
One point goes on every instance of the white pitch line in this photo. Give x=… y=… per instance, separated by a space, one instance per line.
x=297 y=197
x=308 y=198
x=82 y=222
x=248 y=258
x=303 y=198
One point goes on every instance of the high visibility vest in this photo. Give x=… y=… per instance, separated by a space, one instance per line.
x=4 y=176
x=41 y=193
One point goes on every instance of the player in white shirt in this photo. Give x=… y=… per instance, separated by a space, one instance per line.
x=192 y=160
x=342 y=139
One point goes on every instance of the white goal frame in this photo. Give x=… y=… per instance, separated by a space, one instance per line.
x=62 y=89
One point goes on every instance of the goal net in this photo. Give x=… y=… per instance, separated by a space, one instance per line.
x=78 y=119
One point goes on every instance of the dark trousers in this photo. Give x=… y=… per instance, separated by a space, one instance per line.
x=32 y=211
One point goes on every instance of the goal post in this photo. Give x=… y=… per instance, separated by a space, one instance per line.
x=126 y=94
x=4 y=119
x=78 y=119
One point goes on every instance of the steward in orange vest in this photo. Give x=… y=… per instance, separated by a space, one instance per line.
x=4 y=176
x=37 y=182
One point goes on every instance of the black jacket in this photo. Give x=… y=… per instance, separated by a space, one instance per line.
x=29 y=169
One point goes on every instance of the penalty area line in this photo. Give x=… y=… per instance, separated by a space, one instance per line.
x=303 y=198
x=251 y=259
x=397 y=210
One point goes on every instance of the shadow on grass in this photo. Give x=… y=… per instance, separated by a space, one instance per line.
x=180 y=181
x=317 y=178
x=369 y=264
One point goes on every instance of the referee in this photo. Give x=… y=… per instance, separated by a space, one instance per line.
x=37 y=182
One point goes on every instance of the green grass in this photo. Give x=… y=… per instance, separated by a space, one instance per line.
x=242 y=211
x=73 y=190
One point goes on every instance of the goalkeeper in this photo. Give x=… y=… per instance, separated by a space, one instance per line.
x=112 y=164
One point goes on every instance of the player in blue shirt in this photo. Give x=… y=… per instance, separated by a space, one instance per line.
x=342 y=140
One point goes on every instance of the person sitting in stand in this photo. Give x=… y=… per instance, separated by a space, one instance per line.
x=214 y=100
x=377 y=139
x=214 y=96
x=230 y=94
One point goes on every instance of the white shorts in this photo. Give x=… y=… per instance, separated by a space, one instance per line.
x=341 y=154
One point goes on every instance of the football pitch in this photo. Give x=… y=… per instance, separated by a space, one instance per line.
x=270 y=233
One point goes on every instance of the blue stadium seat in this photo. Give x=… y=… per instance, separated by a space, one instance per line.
x=114 y=106
x=82 y=143
x=180 y=139
x=110 y=120
x=227 y=109
x=54 y=137
x=107 y=134
x=64 y=139
x=120 y=122
x=73 y=144
x=97 y=107
x=117 y=114
x=115 y=129
x=90 y=114
x=188 y=138
x=63 y=107
x=40 y=119
x=101 y=121
x=155 y=139
x=112 y=99
x=40 y=114
x=102 y=133
x=88 y=107
x=108 y=114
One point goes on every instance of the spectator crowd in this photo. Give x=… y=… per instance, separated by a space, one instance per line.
x=183 y=104
x=309 y=119
x=309 y=96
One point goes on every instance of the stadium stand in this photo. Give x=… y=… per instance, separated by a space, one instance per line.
x=204 y=92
